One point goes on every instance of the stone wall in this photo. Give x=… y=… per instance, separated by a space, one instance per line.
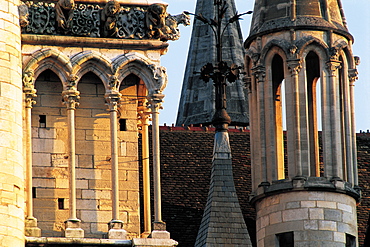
x=11 y=156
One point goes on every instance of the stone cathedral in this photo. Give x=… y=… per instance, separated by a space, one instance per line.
x=81 y=86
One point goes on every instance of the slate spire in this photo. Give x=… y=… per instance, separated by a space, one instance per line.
x=197 y=97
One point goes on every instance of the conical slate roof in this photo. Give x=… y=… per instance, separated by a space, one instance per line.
x=276 y=15
x=197 y=97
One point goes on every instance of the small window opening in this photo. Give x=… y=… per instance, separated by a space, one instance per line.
x=285 y=239
x=350 y=241
x=33 y=192
x=122 y=125
x=60 y=203
x=42 y=121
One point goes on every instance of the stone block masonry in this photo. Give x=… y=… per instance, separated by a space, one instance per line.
x=11 y=158
x=314 y=217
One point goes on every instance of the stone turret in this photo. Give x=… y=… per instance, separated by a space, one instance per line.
x=11 y=158
x=299 y=57
x=197 y=98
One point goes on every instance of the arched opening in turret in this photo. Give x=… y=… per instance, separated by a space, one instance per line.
x=277 y=73
x=313 y=103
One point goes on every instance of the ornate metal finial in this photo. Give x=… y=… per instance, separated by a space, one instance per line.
x=222 y=72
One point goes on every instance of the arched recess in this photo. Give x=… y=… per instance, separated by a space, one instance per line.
x=153 y=75
x=90 y=61
x=316 y=86
x=273 y=45
x=276 y=72
x=312 y=66
x=52 y=59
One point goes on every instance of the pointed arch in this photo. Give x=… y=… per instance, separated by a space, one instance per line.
x=281 y=45
x=153 y=76
x=276 y=71
x=306 y=42
x=52 y=59
x=91 y=61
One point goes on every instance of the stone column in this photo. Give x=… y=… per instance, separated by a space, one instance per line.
x=30 y=93
x=352 y=74
x=143 y=116
x=259 y=73
x=116 y=230
x=70 y=99
x=159 y=227
x=332 y=147
x=293 y=125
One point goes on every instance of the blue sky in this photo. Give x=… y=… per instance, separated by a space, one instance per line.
x=357 y=13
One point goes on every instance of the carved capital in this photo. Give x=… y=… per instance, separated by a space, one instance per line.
x=294 y=66
x=353 y=76
x=71 y=99
x=333 y=66
x=143 y=116
x=259 y=72
x=113 y=100
x=155 y=101
x=29 y=88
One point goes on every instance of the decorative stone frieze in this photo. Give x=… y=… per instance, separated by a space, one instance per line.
x=93 y=20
